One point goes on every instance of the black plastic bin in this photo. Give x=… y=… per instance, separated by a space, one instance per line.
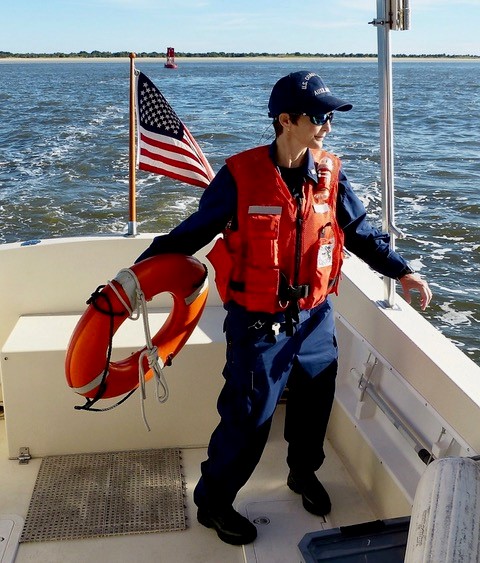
x=372 y=542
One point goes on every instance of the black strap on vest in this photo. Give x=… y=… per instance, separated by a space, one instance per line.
x=291 y=294
x=291 y=318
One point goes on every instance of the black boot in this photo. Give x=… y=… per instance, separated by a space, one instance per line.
x=315 y=498
x=231 y=527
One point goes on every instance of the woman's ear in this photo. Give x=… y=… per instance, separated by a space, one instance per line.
x=285 y=121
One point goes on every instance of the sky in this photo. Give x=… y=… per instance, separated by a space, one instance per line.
x=240 y=26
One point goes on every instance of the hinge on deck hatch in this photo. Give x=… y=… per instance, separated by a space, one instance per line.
x=24 y=455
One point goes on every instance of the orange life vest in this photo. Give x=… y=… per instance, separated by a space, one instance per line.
x=283 y=251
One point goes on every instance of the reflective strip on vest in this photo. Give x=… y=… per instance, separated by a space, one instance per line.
x=265 y=209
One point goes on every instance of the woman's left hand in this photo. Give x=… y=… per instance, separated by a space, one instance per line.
x=414 y=282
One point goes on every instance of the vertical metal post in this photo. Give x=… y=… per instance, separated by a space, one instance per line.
x=391 y=14
x=386 y=130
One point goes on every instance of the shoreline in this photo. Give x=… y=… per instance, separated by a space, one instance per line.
x=187 y=60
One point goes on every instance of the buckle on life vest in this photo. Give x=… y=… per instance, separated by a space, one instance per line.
x=294 y=293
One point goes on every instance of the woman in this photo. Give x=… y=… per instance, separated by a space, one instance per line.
x=285 y=211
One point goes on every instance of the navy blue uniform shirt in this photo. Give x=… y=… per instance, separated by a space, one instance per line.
x=218 y=206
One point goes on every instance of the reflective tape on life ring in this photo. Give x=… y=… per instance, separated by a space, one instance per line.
x=184 y=277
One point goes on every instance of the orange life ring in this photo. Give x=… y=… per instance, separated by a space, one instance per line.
x=184 y=277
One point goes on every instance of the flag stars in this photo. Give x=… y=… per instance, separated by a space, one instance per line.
x=155 y=112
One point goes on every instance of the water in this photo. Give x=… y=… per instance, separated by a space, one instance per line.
x=64 y=155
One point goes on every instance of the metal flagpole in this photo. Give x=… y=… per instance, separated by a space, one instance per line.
x=132 y=201
x=391 y=15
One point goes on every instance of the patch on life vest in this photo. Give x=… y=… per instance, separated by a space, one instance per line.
x=325 y=255
x=321 y=207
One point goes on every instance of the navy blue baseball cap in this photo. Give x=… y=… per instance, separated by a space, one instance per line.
x=303 y=92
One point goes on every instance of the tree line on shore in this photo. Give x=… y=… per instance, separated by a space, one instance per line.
x=212 y=54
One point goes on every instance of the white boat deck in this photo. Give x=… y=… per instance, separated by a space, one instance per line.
x=425 y=381
x=265 y=497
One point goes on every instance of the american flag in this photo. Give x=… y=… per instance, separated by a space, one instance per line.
x=165 y=145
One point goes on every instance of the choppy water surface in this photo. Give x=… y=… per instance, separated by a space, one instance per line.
x=64 y=155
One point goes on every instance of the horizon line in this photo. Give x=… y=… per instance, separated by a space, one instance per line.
x=212 y=54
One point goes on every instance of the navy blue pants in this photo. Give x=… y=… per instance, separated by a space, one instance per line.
x=259 y=365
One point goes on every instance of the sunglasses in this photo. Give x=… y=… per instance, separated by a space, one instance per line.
x=320 y=119
x=317 y=119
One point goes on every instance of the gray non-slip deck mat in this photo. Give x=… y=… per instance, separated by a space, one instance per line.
x=103 y=494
